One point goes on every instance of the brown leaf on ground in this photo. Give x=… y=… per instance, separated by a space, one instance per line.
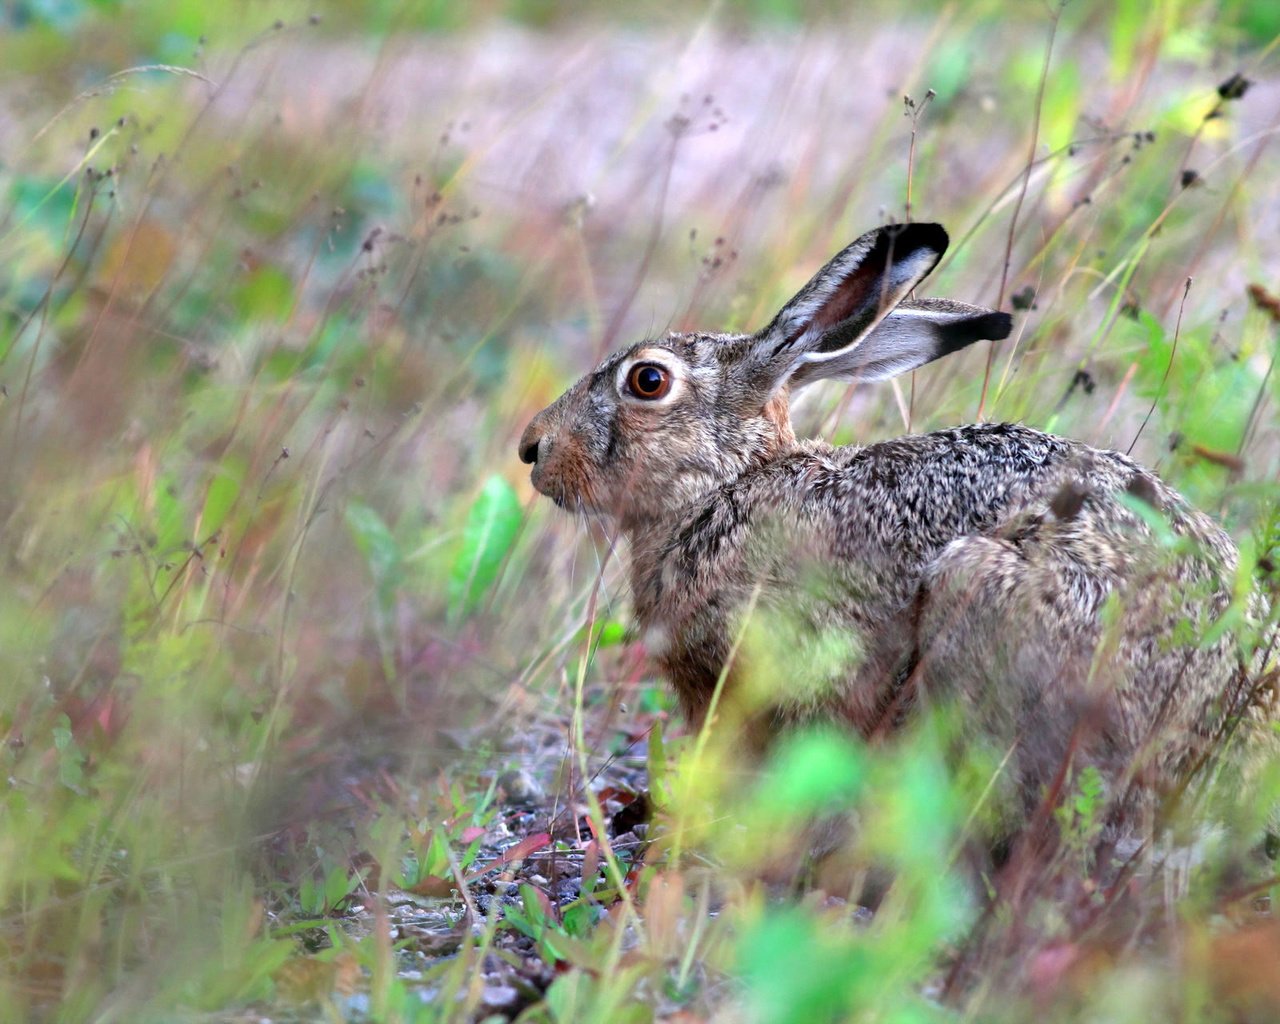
x=434 y=887
x=522 y=849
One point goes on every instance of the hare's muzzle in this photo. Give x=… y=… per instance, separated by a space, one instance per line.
x=531 y=442
x=535 y=450
x=559 y=471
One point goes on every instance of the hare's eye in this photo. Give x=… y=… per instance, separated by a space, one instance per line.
x=648 y=380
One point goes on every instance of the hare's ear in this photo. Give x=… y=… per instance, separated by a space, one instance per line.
x=847 y=298
x=916 y=332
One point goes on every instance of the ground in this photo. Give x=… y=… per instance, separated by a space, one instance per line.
x=315 y=710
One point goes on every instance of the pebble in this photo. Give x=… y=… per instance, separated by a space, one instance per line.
x=498 y=997
x=518 y=788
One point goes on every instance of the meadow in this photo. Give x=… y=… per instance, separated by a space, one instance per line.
x=314 y=710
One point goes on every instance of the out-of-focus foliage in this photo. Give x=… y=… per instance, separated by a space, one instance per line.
x=292 y=653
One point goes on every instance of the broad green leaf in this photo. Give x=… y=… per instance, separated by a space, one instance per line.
x=1260 y=19
x=795 y=973
x=812 y=771
x=44 y=205
x=492 y=525
x=1128 y=21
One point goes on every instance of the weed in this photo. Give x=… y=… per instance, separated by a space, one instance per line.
x=282 y=625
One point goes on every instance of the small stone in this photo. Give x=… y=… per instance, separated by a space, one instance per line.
x=497 y=998
x=517 y=787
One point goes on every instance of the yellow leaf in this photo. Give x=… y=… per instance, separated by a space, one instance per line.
x=308 y=979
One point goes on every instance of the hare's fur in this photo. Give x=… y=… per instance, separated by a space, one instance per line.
x=1057 y=591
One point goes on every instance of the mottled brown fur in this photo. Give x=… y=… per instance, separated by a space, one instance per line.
x=1004 y=568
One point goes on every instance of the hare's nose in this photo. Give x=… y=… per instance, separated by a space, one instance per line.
x=531 y=441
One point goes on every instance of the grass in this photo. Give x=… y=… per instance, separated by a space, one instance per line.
x=314 y=711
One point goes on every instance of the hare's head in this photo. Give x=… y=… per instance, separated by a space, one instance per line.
x=665 y=422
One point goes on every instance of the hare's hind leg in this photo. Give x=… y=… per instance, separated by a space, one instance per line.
x=1009 y=632
x=1074 y=641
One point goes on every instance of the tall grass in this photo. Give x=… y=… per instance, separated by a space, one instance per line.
x=285 y=632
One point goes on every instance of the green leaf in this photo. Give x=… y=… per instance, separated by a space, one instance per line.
x=338 y=885
x=377 y=544
x=1128 y=20
x=950 y=69
x=1260 y=19
x=469 y=855
x=659 y=789
x=171 y=525
x=437 y=855
x=793 y=973
x=266 y=293
x=45 y=205
x=813 y=771
x=223 y=490
x=492 y=525
x=529 y=918
x=580 y=920
x=610 y=633
x=70 y=759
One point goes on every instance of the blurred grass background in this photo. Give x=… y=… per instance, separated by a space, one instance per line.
x=280 y=285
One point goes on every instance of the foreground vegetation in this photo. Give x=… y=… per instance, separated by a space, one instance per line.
x=313 y=710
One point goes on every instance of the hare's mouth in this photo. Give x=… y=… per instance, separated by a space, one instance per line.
x=570 y=489
x=560 y=494
x=575 y=504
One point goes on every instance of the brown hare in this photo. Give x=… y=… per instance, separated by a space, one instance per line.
x=1060 y=594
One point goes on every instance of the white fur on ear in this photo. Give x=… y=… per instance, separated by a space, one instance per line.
x=902 y=275
x=853 y=319
x=914 y=333
x=794 y=321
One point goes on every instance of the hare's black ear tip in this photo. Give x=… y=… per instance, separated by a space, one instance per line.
x=997 y=326
x=932 y=237
x=961 y=333
x=988 y=327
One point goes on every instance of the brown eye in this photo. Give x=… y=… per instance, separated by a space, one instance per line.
x=647 y=380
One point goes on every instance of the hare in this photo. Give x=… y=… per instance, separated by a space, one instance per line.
x=1061 y=594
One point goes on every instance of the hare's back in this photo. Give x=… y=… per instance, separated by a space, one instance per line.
x=909 y=497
